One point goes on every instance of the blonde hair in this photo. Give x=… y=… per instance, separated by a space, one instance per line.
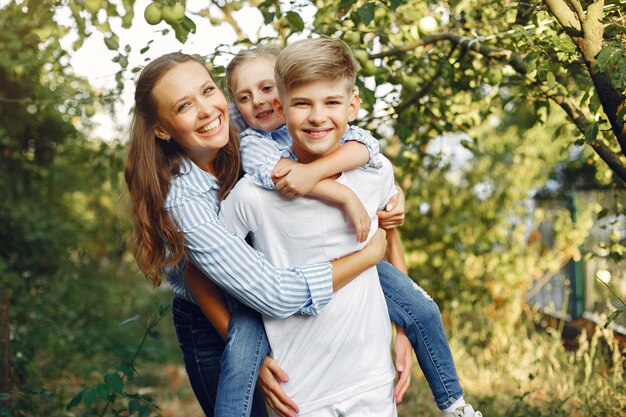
x=150 y=165
x=269 y=52
x=309 y=60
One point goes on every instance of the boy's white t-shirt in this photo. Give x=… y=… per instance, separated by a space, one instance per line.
x=345 y=350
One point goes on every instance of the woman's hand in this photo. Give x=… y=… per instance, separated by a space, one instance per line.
x=376 y=247
x=404 y=363
x=270 y=377
x=393 y=215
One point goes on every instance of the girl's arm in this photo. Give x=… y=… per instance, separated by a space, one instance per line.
x=209 y=299
x=212 y=305
x=292 y=178
x=395 y=252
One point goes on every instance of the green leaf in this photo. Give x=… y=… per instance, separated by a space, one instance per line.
x=126 y=370
x=181 y=32
x=295 y=21
x=394 y=4
x=133 y=407
x=75 y=401
x=345 y=5
x=618 y=75
x=607 y=57
x=366 y=13
x=144 y=411
x=551 y=80
x=591 y=133
x=111 y=43
x=5 y=412
x=404 y=131
x=189 y=24
x=612 y=317
x=102 y=391
x=89 y=396
x=620 y=115
x=268 y=17
x=114 y=382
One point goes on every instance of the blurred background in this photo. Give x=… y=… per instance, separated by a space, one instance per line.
x=504 y=120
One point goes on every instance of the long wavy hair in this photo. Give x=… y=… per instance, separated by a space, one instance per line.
x=150 y=165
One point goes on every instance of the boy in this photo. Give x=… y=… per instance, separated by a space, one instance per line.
x=338 y=362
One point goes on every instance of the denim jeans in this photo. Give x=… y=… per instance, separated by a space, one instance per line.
x=202 y=350
x=412 y=308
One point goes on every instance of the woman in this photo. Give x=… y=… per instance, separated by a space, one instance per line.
x=183 y=159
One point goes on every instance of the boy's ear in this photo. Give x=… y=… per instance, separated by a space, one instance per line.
x=354 y=106
x=278 y=108
x=160 y=133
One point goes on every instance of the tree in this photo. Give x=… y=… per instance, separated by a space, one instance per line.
x=444 y=65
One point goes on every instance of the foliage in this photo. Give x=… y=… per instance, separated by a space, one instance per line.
x=531 y=92
x=533 y=374
x=62 y=241
x=113 y=384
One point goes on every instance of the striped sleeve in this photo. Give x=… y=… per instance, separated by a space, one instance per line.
x=243 y=272
x=259 y=156
x=365 y=137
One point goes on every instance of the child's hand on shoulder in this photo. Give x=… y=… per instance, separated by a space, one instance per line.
x=393 y=215
x=296 y=180
x=360 y=218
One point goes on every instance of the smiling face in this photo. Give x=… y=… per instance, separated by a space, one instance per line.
x=192 y=111
x=317 y=115
x=254 y=90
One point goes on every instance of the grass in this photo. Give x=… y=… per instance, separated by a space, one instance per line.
x=531 y=374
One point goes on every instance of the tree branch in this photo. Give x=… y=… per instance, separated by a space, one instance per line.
x=565 y=16
x=502 y=55
x=582 y=123
x=589 y=43
x=610 y=99
x=418 y=95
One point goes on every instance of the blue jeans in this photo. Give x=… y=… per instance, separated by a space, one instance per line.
x=409 y=306
x=412 y=308
x=203 y=349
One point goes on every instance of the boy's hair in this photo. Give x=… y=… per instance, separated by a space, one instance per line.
x=315 y=59
x=269 y=52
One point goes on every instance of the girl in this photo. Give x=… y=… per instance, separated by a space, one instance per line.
x=182 y=160
x=250 y=80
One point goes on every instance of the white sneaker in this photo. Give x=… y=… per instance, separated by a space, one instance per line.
x=463 y=411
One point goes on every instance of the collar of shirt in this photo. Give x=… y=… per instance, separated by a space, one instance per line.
x=195 y=177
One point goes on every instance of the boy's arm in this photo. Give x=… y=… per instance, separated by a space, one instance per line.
x=209 y=299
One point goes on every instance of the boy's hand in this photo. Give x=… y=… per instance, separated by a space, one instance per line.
x=393 y=214
x=404 y=363
x=270 y=377
x=296 y=180
x=356 y=212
